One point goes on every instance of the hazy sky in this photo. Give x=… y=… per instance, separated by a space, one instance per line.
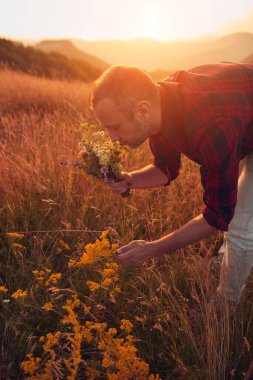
x=120 y=19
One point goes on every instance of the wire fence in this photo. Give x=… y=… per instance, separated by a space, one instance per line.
x=53 y=248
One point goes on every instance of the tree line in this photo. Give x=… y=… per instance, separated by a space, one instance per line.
x=49 y=65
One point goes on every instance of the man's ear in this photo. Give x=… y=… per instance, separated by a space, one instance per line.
x=142 y=110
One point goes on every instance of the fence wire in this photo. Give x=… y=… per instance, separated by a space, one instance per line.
x=47 y=247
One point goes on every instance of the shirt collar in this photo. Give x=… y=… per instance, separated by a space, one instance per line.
x=171 y=109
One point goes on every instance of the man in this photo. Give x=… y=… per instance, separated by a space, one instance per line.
x=206 y=113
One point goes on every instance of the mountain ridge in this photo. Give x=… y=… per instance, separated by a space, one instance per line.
x=67 y=48
x=170 y=55
x=50 y=65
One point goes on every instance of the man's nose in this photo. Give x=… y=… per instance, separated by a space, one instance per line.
x=113 y=137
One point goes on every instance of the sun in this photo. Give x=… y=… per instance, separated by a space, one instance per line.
x=150 y=22
x=151 y=18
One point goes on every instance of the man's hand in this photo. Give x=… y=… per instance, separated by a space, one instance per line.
x=122 y=185
x=138 y=251
x=135 y=253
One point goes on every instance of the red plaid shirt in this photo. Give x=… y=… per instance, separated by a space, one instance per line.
x=207 y=114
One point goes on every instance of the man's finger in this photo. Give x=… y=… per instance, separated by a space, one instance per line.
x=117 y=184
x=118 y=191
x=123 y=259
x=128 y=259
x=126 y=248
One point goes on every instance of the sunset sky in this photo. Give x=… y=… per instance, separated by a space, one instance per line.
x=118 y=19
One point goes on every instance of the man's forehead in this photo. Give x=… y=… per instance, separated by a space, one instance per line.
x=105 y=103
x=108 y=113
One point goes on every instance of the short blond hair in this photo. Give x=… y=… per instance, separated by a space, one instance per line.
x=126 y=85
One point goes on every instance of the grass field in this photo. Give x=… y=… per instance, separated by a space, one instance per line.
x=58 y=211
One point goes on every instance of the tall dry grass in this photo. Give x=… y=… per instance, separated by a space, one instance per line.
x=167 y=297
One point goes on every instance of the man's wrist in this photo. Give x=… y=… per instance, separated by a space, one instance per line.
x=194 y=230
x=158 y=248
x=130 y=181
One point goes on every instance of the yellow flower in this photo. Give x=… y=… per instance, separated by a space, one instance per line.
x=17 y=245
x=72 y=263
x=64 y=245
x=126 y=325
x=112 y=331
x=107 y=282
x=48 y=306
x=19 y=294
x=91 y=374
x=30 y=366
x=108 y=272
x=3 y=289
x=87 y=309
x=15 y=235
x=113 y=266
x=106 y=363
x=51 y=340
x=39 y=275
x=104 y=234
x=92 y=285
x=94 y=252
x=115 y=246
x=87 y=334
x=53 y=279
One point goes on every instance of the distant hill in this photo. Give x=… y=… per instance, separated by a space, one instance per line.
x=68 y=49
x=171 y=55
x=233 y=47
x=248 y=59
x=158 y=75
x=49 y=65
x=244 y=24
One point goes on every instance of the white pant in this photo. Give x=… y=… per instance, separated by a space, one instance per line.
x=238 y=240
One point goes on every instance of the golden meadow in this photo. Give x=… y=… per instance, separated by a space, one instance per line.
x=67 y=310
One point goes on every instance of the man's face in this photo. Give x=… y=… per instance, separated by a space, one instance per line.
x=128 y=132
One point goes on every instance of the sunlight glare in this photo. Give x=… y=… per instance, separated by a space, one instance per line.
x=149 y=21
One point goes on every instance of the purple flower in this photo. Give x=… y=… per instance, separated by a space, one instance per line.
x=104 y=170
x=88 y=147
x=84 y=155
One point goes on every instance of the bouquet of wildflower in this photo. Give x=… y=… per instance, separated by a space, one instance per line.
x=99 y=156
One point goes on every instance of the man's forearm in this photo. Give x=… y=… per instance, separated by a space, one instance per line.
x=148 y=177
x=193 y=231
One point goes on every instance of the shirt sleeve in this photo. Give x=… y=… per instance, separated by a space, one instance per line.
x=167 y=160
x=218 y=153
